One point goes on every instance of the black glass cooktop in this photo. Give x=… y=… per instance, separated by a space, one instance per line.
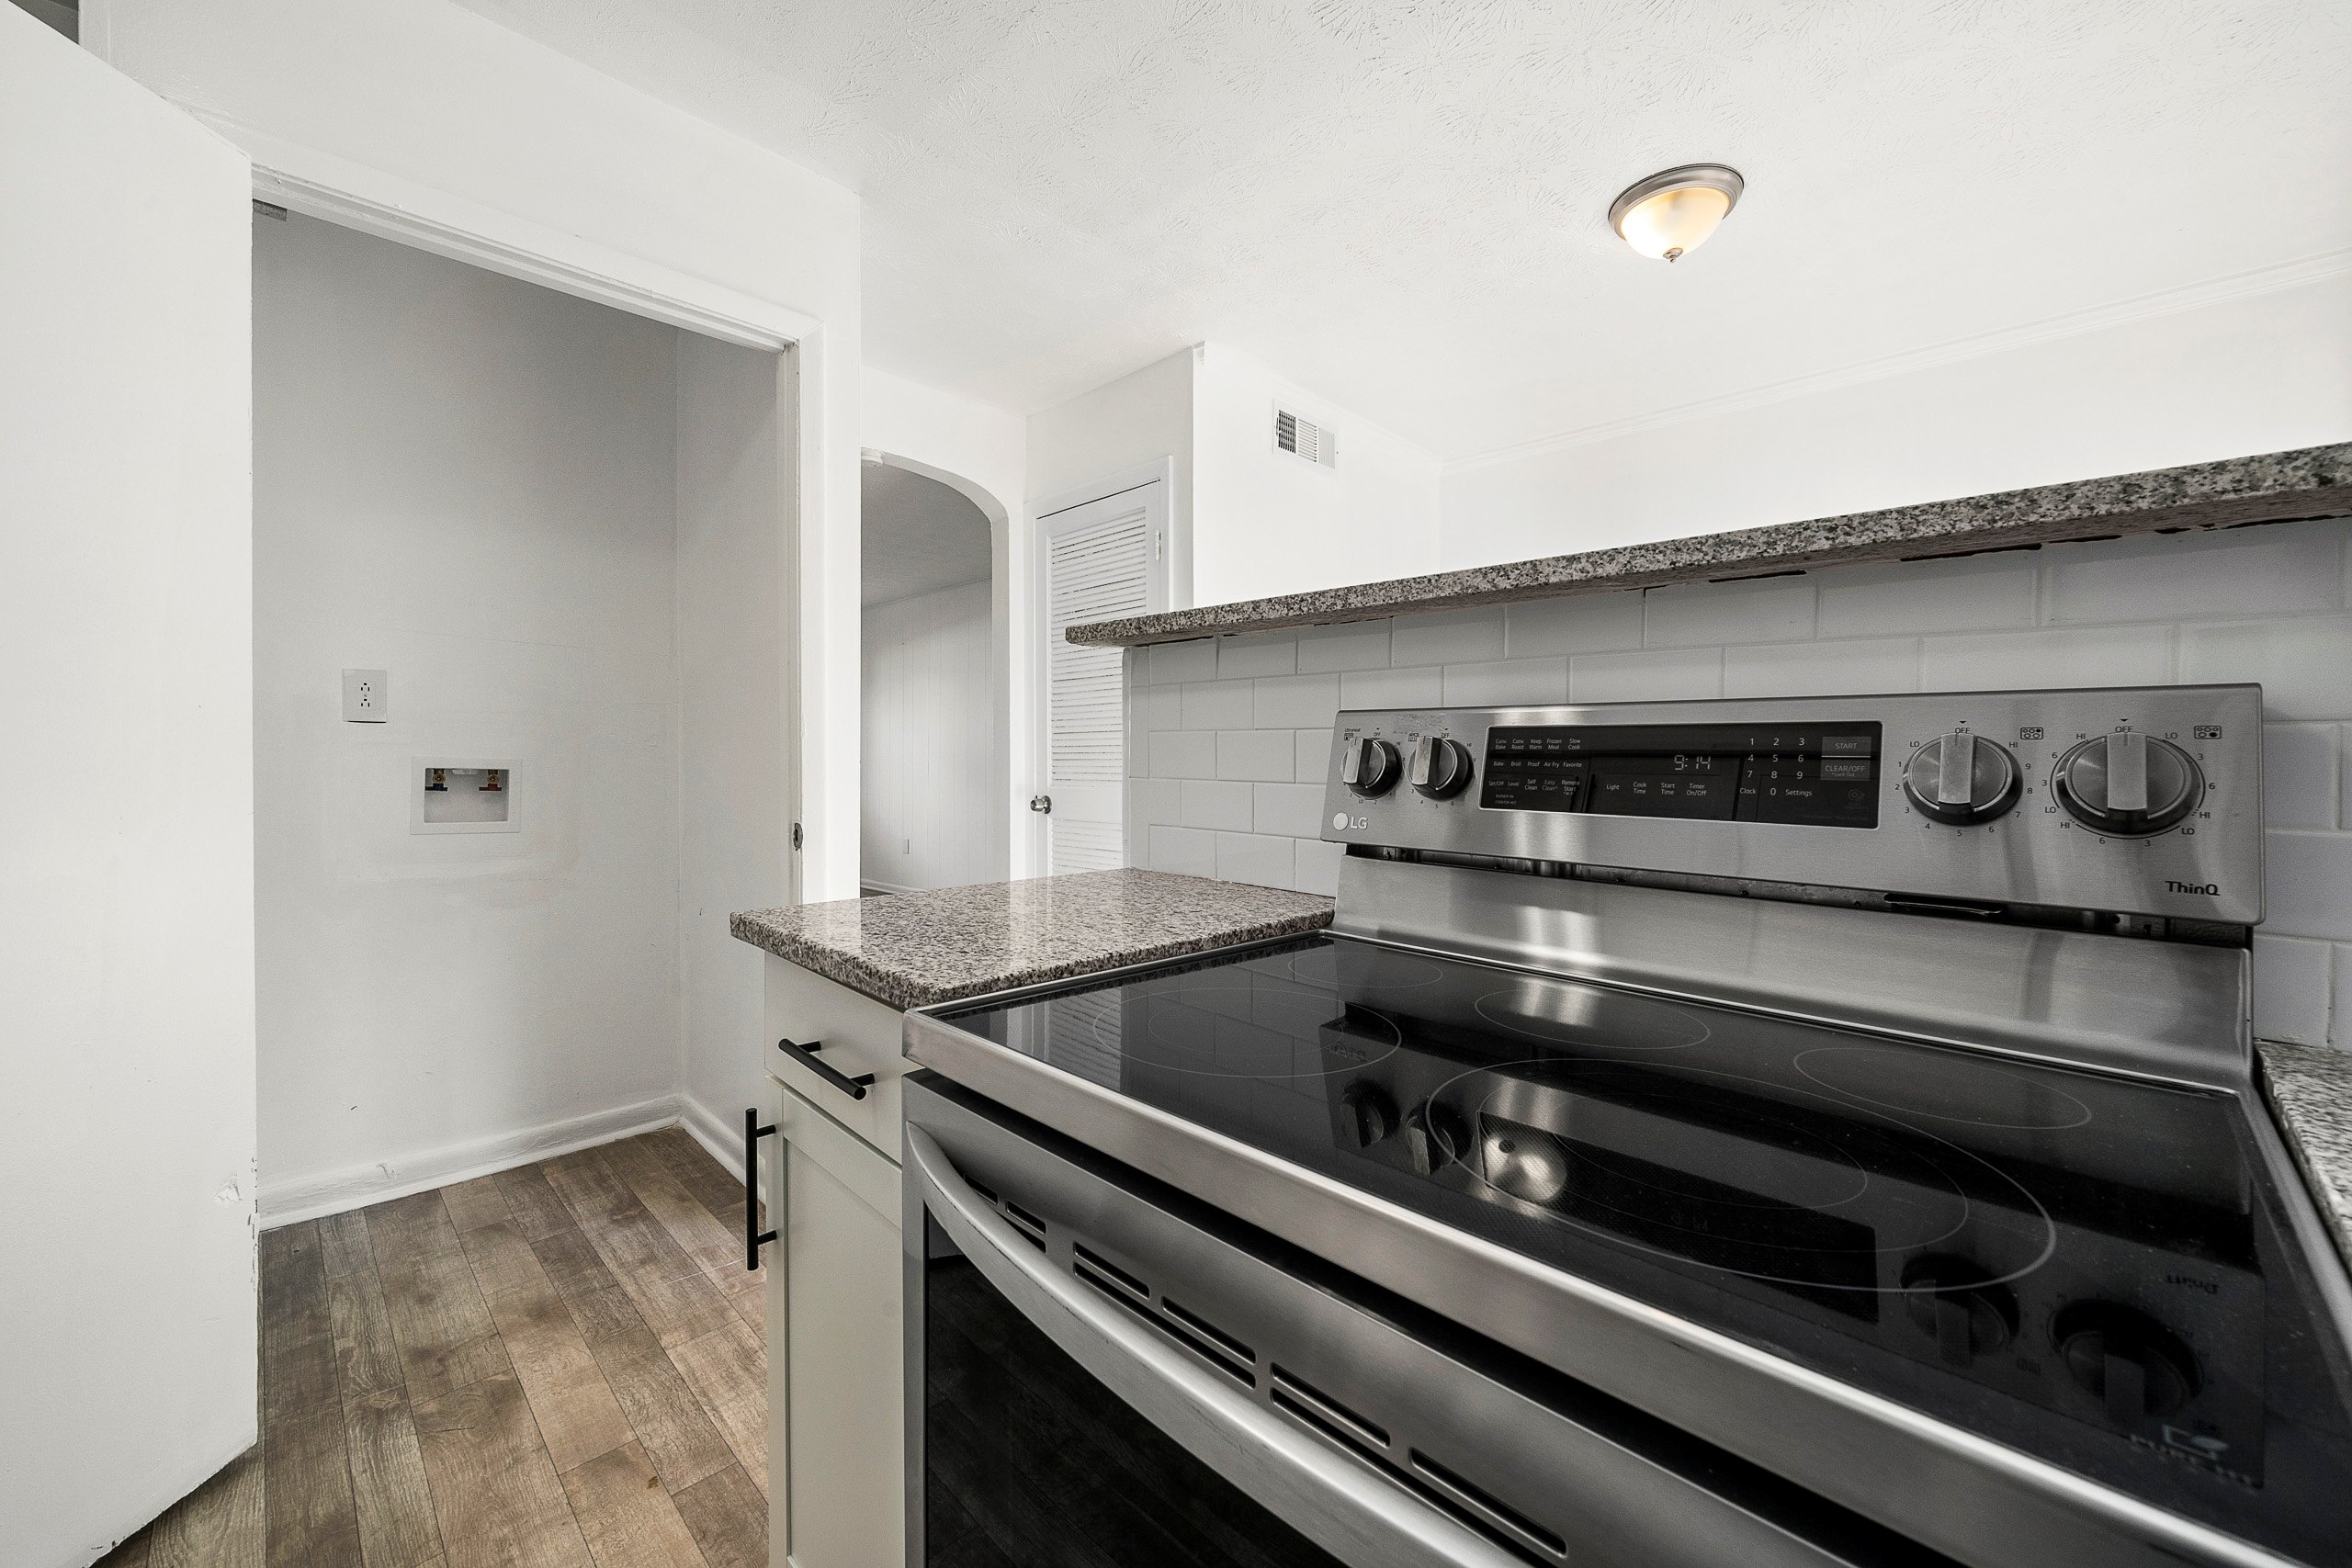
x=2093 y=1269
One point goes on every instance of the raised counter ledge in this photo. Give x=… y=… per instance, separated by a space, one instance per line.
x=2309 y=1090
x=2274 y=487
x=914 y=950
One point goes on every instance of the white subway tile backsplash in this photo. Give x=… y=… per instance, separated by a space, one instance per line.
x=1294 y=702
x=1186 y=851
x=1213 y=803
x=1256 y=754
x=1217 y=704
x=1452 y=638
x=1907 y=597
x=1295 y=809
x=1254 y=857
x=2109 y=656
x=1311 y=757
x=1315 y=866
x=1361 y=646
x=2304 y=662
x=1822 y=668
x=1265 y=653
x=2299 y=770
x=1162 y=707
x=1594 y=623
x=2290 y=989
x=1773 y=609
x=2271 y=570
x=1649 y=675
x=1172 y=662
x=2339 y=1012
x=1183 y=754
x=1157 y=803
x=1422 y=688
x=2308 y=877
x=1530 y=681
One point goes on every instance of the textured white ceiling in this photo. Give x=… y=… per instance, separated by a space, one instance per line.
x=1401 y=204
x=920 y=536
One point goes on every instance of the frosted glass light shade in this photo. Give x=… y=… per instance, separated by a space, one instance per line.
x=1668 y=215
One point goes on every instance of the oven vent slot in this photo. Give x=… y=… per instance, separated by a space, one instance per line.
x=1302 y=1399
x=985 y=1192
x=1026 y=1224
x=1091 y=1262
x=1246 y=1376
x=1215 y=1338
x=1490 y=1509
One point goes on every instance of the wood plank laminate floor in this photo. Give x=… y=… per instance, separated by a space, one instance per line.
x=560 y=1366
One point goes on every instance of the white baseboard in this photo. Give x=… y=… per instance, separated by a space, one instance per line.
x=721 y=1138
x=308 y=1198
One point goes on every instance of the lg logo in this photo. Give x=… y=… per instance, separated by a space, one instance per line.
x=1341 y=821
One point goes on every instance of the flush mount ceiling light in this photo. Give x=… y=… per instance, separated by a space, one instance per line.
x=1671 y=214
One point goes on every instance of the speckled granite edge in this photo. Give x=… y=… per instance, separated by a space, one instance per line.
x=914 y=950
x=2312 y=481
x=2310 y=1090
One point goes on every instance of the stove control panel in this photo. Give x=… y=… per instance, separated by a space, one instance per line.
x=2132 y=800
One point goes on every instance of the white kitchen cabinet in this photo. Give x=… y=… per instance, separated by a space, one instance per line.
x=858 y=1034
x=835 y=1339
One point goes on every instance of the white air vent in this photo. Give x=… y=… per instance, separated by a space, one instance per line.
x=1303 y=437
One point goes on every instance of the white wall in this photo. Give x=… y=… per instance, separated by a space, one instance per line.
x=2261 y=373
x=126 y=867
x=732 y=656
x=471 y=482
x=930 y=711
x=1230 y=737
x=983 y=451
x=427 y=107
x=1140 y=418
x=1267 y=522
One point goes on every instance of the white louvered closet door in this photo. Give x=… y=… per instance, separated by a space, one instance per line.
x=1103 y=558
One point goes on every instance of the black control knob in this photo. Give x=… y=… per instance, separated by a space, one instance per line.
x=1440 y=767
x=1367 y=1113
x=2128 y=783
x=2133 y=1364
x=1957 y=1303
x=1962 y=778
x=1369 y=767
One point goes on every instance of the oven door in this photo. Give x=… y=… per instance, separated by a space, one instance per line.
x=1100 y=1372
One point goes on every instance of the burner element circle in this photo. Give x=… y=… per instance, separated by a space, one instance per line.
x=1336 y=968
x=1919 y=1081
x=1254 y=1032
x=1564 y=1012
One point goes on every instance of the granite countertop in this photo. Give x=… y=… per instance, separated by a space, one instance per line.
x=915 y=950
x=2309 y=1090
x=2273 y=486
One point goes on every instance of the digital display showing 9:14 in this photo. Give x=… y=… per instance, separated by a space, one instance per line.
x=1808 y=777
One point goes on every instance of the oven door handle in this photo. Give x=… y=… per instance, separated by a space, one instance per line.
x=1337 y=1501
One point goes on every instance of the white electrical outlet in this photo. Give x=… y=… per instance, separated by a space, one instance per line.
x=366 y=696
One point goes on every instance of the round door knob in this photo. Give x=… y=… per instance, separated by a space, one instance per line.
x=2128 y=782
x=1962 y=778
x=1956 y=1302
x=2135 y=1367
x=1368 y=766
x=1440 y=767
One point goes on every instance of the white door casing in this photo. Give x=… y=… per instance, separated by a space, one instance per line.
x=127 y=863
x=1099 y=557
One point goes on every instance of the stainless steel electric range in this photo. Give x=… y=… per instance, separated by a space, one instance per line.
x=1792 y=1131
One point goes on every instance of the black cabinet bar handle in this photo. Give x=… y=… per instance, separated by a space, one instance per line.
x=753 y=1234
x=806 y=1056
